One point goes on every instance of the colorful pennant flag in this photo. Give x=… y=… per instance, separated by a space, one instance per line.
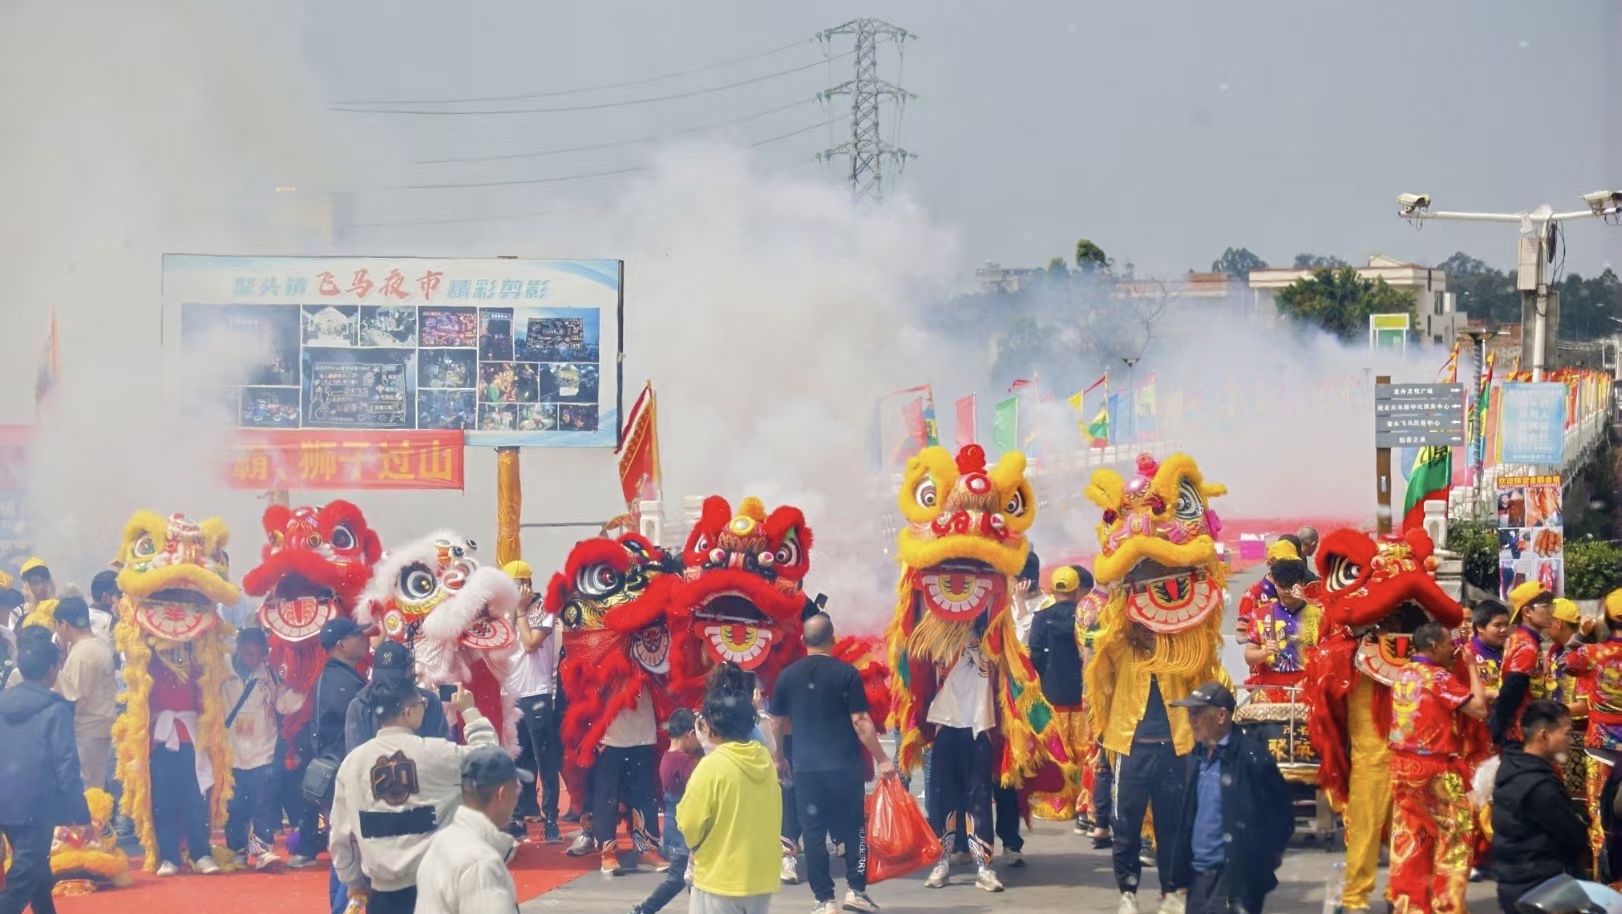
x=1005 y=425
x=639 y=451
x=964 y=427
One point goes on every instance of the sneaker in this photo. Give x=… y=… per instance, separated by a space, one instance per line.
x=266 y=861
x=517 y=829
x=1013 y=858
x=986 y=880
x=790 y=873
x=552 y=835
x=651 y=862
x=239 y=859
x=1146 y=860
x=1102 y=839
x=825 y=907
x=611 y=860
x=299 y=862
x=1082 y=826
x=939 y=876
x=858 y=901
x=582 y=846
x=205 y=866
x=1129 y=903
x=167 y=869
x=1174 y=903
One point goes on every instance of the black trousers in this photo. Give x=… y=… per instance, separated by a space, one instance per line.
x=625 y=775
x=666 y=891
x=179 y=808
x=399 y=901
x=1208 y=894
x=540 y=724
x=959 y=793
x=252 y=805
x=1103 y=792
x=1006 y=802
x=832 y=803
x=29 y=881
x=1152 y=775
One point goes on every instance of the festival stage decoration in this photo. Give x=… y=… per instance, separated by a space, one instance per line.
x=313 y=568
x=1375 y=594
x=1163 y=582
x=456 y=615
x=963 y=540
x=174 y=575
x=611 y=599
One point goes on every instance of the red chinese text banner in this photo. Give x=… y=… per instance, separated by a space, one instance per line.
x=347 y=460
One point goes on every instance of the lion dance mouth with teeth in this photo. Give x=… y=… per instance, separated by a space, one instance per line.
x=313 y=568
x=456 y=615
x=173 y=576
x=963 y=540
x=1375 y=594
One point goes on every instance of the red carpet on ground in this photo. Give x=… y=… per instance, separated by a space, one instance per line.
x=537 y=869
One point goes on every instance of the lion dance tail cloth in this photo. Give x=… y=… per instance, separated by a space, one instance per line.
x=313 y=568
x=456 y=616
x=1374 y=593
x=173 y=577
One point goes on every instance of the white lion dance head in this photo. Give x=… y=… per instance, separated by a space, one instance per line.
x=456 y=616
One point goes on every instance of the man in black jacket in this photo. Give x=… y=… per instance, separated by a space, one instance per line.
x=1237 y=818
x=42 y=788
x=1056 y=655
x=323 y=736
x=391 y=661
x=1539 y=832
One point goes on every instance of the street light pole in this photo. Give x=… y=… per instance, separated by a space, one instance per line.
x=1132 y=404
x=1532 y=255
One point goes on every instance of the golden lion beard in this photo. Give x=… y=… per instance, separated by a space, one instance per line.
x=1186 y=653
x=938 y=641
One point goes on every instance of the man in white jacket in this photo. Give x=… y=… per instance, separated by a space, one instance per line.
x=393 y=792
x=465 y=869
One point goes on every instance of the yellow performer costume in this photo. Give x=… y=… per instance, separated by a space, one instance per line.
x=1160 y=630
x=173 y=578
x=1070 y=719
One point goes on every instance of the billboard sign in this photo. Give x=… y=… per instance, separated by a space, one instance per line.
x=520 y=353
x=1389 y=332
x=1531 y=533
x=1532 y=424
x=1418 y=415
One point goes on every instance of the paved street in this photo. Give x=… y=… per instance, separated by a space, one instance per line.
x=1062 y=874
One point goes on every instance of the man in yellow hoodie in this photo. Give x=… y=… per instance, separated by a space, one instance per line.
x=733 y=808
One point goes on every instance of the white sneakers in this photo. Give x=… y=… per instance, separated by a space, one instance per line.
x=790 y=873
x=986 y=880
x=1175 y=903
x=205 y=867
x=167 y=869
x=939 y=876
x=1129 y=903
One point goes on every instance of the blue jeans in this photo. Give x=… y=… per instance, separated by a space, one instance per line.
x=337 y=892
x=672 y=843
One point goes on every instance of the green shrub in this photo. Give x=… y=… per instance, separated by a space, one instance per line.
x=1477 y=542
x=1593 y=569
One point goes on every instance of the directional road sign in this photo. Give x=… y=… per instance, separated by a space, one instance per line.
x=1418 y=415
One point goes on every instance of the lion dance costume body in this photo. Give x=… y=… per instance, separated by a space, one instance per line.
x=434 y=597
x=173 y=577
x=313 y=568
x=1160 y=631
x=962 y=681
x=1375 y=593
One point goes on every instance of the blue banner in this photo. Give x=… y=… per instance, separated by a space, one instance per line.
x=1532 y=424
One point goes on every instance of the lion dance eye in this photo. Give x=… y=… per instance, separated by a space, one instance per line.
x=924 y=494
x=313 y=541
x=342 y=537
x=417 y=582
x=788 y=554
x=597 y=580
x=1343 y=572
x=1189 y=503
x=145 y=546
x=1016 y=504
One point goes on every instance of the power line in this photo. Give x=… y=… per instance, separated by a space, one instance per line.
x=632 y=142
x=591 y=174
x=582 y=89
x=597 y=107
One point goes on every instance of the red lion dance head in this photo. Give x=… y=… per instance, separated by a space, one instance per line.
x=313 y=567
x=1375 y=594
x=611 y=598
x=742 y=594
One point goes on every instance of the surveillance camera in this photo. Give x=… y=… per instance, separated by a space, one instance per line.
x=1413 y=202
x=1604 y=202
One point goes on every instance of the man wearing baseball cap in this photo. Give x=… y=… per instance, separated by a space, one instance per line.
x=1236 y=818
x=323 y=736
x=1056 y=654
x=392 y=661
x=465 y=868
x=533 y=680
x=1526 y=675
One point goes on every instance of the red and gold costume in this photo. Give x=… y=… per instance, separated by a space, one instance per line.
x=87 y=858
x=1374 y=595
x=1432 y=829
x=174 y=577
x=1598 y=671
x=313 y=568
x=434 y=597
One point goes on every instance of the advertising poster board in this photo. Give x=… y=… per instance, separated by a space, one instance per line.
x=1532 y=424
x=1531 y=533
x=521 y=353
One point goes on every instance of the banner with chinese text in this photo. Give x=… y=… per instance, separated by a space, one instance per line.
x=347 y=460
x=518 y=353
x=1532 y=424
x=1531 y=533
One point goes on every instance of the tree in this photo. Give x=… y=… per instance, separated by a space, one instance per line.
x=1340 y=301
x=1090 y=258
x=1238 y=262
x=1482 y=292
x=1318 y=262
x=1057 y=268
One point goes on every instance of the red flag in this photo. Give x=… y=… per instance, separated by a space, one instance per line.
x=639 y=451
x=49 y=366
x=1103 y=381
x=965 y=421
x=1022 y=382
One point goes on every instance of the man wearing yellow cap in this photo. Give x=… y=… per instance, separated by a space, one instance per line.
x=1056 y=654
x=1526 y=671
x=533 y=678
x=1598 y=669
x=1259 y=597
x=1281 y=632
x=37 y=583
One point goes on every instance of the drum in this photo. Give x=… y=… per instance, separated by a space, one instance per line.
x=1282 y=728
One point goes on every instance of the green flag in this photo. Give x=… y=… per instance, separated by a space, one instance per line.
x=1005 y=425
x=1098 y=429
x=1430 y=477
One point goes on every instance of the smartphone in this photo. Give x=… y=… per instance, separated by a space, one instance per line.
x=446 y=692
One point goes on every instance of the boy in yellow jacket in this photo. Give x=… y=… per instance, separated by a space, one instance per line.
x=733 y=808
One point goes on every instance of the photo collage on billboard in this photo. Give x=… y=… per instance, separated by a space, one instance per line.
x=516 y=370
x=1531 y=533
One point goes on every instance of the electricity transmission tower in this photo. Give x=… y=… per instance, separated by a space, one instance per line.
x=866 y=148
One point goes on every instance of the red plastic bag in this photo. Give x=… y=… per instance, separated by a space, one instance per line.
x=899 y=839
